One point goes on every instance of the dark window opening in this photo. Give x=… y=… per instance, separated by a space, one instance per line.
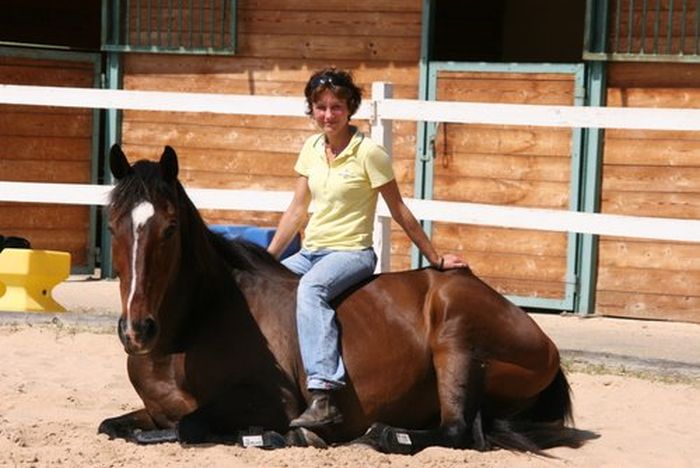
x=509 y=31
x=73 y=24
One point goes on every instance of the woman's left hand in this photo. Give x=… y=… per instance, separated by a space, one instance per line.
x=449 y=261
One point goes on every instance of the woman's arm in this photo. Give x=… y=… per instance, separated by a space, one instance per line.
x=293 y=218
x=402 y=215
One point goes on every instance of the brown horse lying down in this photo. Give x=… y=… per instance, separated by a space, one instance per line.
x=434 y=358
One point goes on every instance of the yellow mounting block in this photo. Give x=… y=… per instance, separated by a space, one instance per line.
x=27 y=278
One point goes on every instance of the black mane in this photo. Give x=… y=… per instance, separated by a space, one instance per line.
x=145 y=182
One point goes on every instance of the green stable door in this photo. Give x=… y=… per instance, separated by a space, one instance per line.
x=507 y=165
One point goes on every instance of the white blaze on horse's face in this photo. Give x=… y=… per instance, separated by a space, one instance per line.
x=140 y=215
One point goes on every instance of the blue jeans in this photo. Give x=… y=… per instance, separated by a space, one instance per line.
x=326 y=274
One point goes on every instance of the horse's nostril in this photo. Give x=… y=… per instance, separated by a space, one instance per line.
x=149 y=328
x=140 y=330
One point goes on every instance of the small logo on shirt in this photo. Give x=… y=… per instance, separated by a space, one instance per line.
x=345 y=174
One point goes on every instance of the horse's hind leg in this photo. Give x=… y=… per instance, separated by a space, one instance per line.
x=461 y=381
x=460 y=391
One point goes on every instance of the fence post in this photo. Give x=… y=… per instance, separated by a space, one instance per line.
x=113 y=80
x=382 y=134
x=587 y=265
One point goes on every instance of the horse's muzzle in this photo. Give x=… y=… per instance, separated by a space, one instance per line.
x=137 y=336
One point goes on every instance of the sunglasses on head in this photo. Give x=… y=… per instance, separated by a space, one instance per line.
x=330 y=80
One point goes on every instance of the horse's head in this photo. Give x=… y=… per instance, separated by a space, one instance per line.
x=146 y=240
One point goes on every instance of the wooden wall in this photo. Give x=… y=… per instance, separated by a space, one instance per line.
x=47 y=144
x=651 y=173
x=645 y=173
x=511 y=166
x=280 y=44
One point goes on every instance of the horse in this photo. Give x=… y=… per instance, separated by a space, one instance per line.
x=432 y=357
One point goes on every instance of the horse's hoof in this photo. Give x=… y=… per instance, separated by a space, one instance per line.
x=106 y=428
x=115 y=429
x=273 y=440
x=157 y=436
x=191 y=431
x=387 y=439
x=372 y=436
x=303 y=437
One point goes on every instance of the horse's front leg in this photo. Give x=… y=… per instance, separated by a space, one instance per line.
x=241 y=407
x=127 y=426
x=154 y=379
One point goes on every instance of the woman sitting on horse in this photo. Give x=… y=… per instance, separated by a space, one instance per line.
x=341 y=171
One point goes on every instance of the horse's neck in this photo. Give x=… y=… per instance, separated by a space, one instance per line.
x=205 y=274
x=245 y=302
x=249 y=306
x=269 y=295
x=270 y=301
x=216 y=274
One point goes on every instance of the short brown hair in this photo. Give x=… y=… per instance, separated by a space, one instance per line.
x=340 y=83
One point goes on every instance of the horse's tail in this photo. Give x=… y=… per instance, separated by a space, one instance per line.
x=554 y=402
x=542 y=426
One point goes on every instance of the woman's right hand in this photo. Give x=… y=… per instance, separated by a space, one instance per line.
x=450 y=261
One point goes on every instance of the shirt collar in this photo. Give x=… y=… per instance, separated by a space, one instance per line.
x=355 y=140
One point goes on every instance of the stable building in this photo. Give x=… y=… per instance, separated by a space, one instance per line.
x=574 y=53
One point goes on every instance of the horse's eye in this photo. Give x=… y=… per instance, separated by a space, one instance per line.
x=169 y=231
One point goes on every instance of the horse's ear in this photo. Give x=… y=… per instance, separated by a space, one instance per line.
x=118 y=163
x=168 y=164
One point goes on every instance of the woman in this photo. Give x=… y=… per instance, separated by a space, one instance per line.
x=341 y=171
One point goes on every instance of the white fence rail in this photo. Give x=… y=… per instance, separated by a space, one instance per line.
x=376 y=109
x=453 y=212
x=380 y=109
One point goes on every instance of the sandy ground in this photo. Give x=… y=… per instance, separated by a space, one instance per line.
x=59 y=382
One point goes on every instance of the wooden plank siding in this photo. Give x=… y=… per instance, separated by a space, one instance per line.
x=47 y=144
x=280 y=44
x=651 y=173
x=506 y=165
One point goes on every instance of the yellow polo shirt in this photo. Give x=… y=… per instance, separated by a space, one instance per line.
x=344 y=192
